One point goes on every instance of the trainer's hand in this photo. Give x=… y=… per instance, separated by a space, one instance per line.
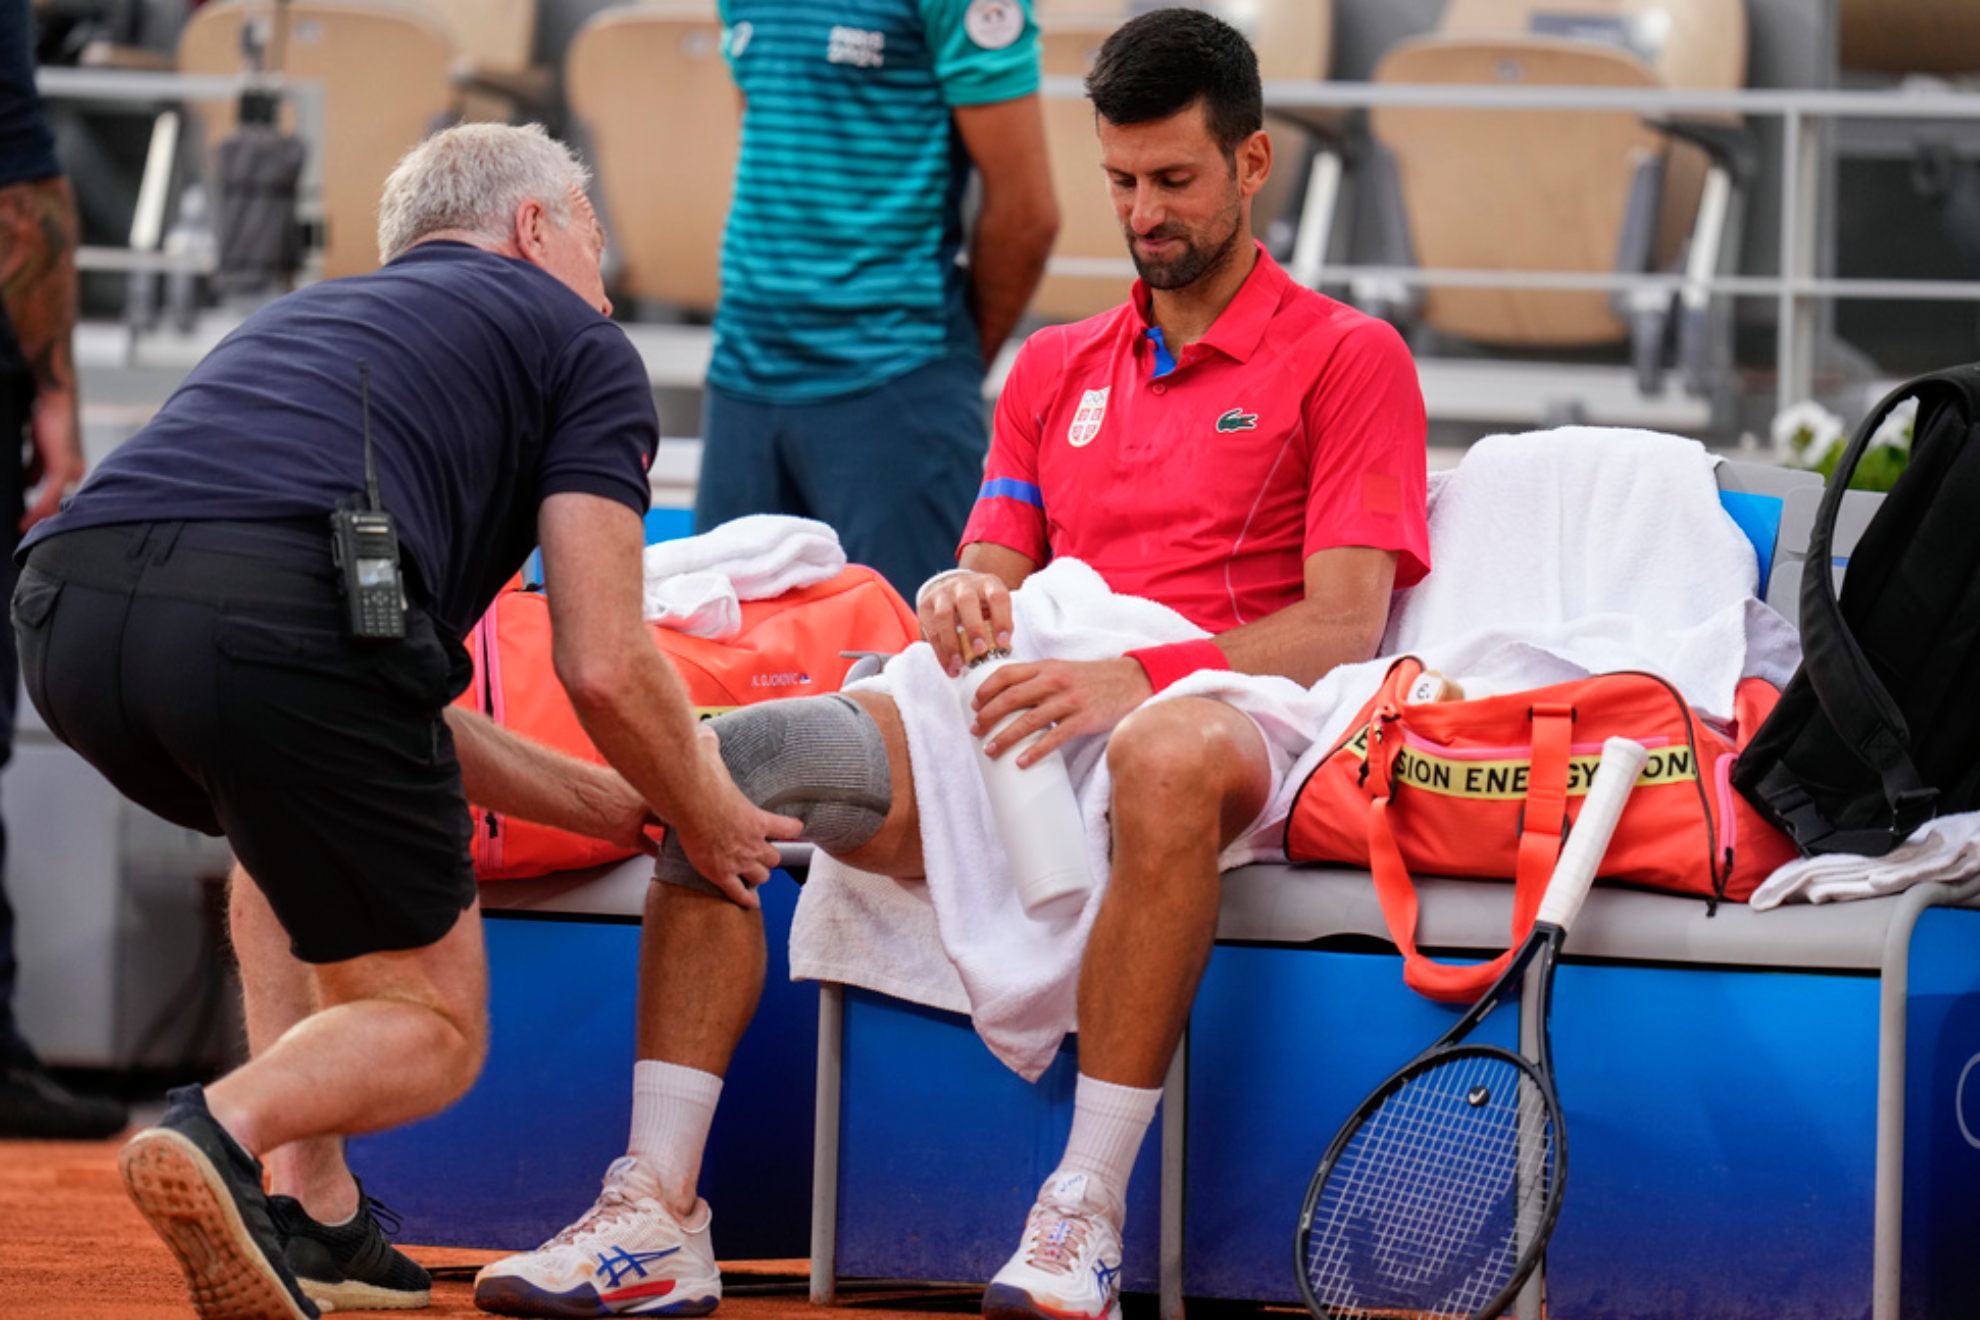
x=725 y=835
x=1069 y=698
x=620 y=816
x=969 y=610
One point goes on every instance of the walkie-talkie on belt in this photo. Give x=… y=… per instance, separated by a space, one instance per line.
x=365 y=546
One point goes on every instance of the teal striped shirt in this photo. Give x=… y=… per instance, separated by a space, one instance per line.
x=839 y=261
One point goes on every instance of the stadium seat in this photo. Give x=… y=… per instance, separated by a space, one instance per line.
x=385 y=70
x=663 y=119
x=1088 y=231
x=1911 y=36
x=1294 y=40
x=496 y=40
x=1569 y=190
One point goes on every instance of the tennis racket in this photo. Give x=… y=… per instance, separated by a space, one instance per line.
x=1436 y=1198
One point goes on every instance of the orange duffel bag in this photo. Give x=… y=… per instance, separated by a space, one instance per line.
x=1487 y=789
x=790 y=646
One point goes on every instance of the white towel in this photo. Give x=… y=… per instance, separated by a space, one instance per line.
x=1540 y=544
x=698 y=604
x=1945 y=849
x=764 y=555
x=1584 y=550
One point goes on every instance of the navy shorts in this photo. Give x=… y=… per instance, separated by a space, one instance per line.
x=894 y=469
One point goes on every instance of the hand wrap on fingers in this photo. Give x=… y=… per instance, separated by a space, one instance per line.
x=820 y=759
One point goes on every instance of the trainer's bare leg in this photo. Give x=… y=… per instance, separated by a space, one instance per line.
x=398 y=1036
x=278 y=990
x=1189 y=776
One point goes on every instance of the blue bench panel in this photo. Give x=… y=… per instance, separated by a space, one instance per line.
x=942 y=1150
x=1720 y=1149
x=1942 y=1118
x=521 y=1154
x=1283 y=1044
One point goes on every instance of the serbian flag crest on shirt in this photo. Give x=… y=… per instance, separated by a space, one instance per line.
x=1086 y=422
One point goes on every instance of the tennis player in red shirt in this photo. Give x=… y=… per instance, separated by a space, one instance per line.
x=1226 y=442
x=1239 y=448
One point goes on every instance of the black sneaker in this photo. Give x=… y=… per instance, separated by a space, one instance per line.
x=35 y=1107
x=203 y=1195
x=351 y=1266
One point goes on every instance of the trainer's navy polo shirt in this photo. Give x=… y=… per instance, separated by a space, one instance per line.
x=1295 y=425
x=493 y=386
x=27 y=151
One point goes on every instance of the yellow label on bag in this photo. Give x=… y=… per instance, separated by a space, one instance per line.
x=1505 y=781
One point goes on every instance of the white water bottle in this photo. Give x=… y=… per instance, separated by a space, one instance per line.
x=1036 y=812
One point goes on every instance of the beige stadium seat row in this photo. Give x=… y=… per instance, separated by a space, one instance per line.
x=1911 y=36
x=1568 y=190
x=389 y=70
x=631 y=68
x=663 y=123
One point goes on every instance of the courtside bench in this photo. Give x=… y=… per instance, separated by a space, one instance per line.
x=1768 y=1112
x=1771 y=1116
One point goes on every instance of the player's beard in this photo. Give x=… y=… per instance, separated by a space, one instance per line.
x=1200 y=256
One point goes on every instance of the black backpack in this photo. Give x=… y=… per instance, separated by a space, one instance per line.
x=1879 y=730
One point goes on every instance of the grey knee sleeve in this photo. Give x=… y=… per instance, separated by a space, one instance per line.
x=820 y=759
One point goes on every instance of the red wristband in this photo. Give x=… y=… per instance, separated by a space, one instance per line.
x=1169 y=664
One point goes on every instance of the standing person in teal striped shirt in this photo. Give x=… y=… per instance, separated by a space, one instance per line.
x=850 y=345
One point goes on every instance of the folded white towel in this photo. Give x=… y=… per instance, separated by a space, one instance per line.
x=1945 y=849
x=698 y=604
x=1601 y=548
x=764 y=555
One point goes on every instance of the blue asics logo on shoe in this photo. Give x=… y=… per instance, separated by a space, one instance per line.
x=1107 y=1276
x=616 y=1268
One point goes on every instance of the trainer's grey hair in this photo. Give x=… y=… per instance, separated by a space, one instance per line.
x=471 y=178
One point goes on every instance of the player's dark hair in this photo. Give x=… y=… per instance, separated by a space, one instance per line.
x=1159 y=64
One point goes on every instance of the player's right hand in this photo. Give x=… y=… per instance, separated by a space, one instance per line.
x=727 y=837
x=964 y=616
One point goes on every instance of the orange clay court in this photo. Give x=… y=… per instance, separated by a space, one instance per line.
x=74 y=1248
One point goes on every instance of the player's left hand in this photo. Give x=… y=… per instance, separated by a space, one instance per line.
x=1067 y=698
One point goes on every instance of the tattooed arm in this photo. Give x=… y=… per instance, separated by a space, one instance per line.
x=38 y=293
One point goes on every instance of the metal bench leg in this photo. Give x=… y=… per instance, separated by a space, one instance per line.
x=825 y=1147
x=1175 y=1105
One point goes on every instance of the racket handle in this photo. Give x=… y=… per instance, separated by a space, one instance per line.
x=1587 y=843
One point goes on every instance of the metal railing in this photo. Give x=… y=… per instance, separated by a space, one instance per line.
x=1797 y=287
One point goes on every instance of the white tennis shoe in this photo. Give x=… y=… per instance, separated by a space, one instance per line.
x=1069 y=1266
x=627 y=1255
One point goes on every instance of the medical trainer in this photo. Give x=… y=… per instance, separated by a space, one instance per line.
x=183 y=626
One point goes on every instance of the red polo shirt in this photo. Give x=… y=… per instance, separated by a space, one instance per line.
x=1294 y=425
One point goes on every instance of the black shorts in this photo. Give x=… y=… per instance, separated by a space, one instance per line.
x=203 y=667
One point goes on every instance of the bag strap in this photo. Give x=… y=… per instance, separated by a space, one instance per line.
x=1543 y=822
x=1845 y=685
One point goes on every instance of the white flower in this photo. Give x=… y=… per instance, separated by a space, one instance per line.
x=1804 y=432
x=1895 y=429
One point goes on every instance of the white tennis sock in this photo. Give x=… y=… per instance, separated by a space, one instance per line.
x=672 y=1109
x=1109 y=1123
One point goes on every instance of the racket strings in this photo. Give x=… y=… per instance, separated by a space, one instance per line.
x=1436 y=1196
